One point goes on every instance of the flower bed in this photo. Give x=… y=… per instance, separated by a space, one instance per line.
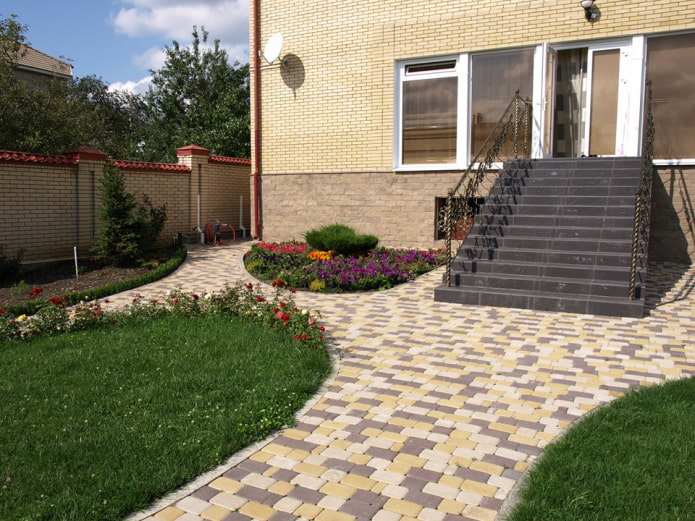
x=296 y=265
x=245 y=301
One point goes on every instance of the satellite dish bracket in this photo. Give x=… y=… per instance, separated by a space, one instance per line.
x=272 y=50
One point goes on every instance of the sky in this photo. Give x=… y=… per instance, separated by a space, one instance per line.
x=120 y=41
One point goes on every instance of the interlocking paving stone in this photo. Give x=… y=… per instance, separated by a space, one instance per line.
x=436 y=409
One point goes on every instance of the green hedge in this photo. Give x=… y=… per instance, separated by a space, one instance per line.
x=29 y=308
x=341 y=240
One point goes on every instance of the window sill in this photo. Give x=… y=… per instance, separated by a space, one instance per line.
x=673 y=162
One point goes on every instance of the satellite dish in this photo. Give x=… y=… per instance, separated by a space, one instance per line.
x=272 y=49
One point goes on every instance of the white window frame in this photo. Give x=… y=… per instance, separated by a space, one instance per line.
x=403 y=76
x=633 y=50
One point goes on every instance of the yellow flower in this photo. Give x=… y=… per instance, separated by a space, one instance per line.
x=21 y=318
x=320 y=255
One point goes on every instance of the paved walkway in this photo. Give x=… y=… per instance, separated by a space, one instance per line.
x=436 y=409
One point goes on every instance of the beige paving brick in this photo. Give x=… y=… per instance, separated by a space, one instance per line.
x=287 y=504
x=359 y=459
x=308 y=511
x=276 y=450
x=261 y=456
x=295 y=434
x=257 y=511
x=451 y=481
x=329 y=515
x=281 y=488
x=229 y=501
x=338 y=490
x=479 y=513
x=226 y=485
x=490 y=468
x=169 y=513
x=451 y=506
x=192 y=504
x=215 y=513
x=400 y=506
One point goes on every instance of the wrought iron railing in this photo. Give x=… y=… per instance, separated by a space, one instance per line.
x=643 y=196
x=457 y=214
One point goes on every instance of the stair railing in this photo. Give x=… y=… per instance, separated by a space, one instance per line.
x=643 y=195
x=455 y=218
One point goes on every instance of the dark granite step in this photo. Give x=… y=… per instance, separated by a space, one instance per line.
x=553 y=235
x=583 y=304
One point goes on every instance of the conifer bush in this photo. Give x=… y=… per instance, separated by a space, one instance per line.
x=128 y=230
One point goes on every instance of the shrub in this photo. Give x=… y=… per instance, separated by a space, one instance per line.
x=9 y=266
x=341 y=240
x=128 y=231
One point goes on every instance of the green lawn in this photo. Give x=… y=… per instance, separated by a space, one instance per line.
x=97 y=424
x=633 y=460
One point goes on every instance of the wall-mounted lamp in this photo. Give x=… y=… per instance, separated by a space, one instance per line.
x=587 y=5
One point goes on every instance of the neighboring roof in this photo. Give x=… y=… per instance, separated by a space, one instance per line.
x=37 y=61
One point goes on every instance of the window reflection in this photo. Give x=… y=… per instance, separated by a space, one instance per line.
x=495 y=79
x=429 y=121
x=671 y=69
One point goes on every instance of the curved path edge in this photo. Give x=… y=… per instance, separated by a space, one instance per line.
x=436 y=409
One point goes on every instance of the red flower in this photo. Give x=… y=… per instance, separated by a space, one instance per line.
x=321 y=328
x=297 y=337
x=282 y=305
x=2 y=310
x=195 y=297
x=275 y=310
x=259 y=299
x=279 y=284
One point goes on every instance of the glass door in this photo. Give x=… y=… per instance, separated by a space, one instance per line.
x=584 y=85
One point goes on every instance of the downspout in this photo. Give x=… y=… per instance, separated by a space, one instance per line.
x=257 y=119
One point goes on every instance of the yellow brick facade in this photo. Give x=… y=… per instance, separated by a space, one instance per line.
x=327 y=118
x=47 y=210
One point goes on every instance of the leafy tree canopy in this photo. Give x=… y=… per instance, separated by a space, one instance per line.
x=198 y=98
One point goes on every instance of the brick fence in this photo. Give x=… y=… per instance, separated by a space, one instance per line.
x=49 y=203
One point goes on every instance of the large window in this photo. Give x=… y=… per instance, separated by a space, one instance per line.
x=496 y=77
x=671 y=69
x=438 y=127
x=430 y=93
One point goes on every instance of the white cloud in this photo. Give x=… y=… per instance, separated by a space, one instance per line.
x=152 y=59
x=136 y=87
x=226 y=20
x=168 y=20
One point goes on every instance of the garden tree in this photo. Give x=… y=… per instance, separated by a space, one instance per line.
x=64 y=115
x=61 y=115
x=198 y=98
x=12 y=36
x=128 y=231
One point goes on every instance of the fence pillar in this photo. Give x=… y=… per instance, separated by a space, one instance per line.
x=196 y=158
x=90 y=167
